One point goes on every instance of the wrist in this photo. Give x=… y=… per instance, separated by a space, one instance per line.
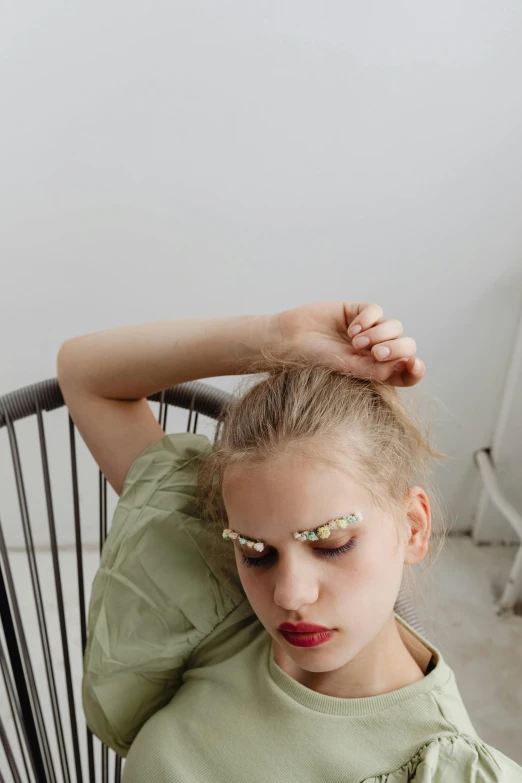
x=252 y=334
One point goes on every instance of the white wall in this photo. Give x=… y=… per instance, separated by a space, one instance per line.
x=161 y=160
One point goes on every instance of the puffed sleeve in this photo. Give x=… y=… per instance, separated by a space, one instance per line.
x=158 y=593
x=456 y=758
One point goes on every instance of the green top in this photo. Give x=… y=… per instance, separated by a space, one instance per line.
x=179 y=667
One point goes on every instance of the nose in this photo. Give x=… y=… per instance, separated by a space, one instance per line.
x=295 y=585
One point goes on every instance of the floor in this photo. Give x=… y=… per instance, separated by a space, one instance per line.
x=456 y=605
x=483 y=649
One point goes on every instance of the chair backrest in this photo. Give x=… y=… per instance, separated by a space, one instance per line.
x=42 y=729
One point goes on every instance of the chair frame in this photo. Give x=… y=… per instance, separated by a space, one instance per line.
x=15 y=663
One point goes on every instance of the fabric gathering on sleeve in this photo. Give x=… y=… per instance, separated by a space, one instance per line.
x=160 y=590
x=455 y=759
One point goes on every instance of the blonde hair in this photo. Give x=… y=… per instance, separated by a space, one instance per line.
x=358 y=424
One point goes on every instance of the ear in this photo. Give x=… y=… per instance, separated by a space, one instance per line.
x=419 y=519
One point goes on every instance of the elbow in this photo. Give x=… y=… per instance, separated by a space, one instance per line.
x=97 y=721
x=64 y=360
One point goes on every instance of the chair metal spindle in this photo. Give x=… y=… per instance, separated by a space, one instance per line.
x=16 y=710
x=31 y=716
x=81 y=582
x=191 y=411
x=162 y=412
x=195 y=396
x=37 y=593
x=59 y=596
x=164 y=422
x=23 y=693
x=117 y=770
x=28 y=696
x=105 y=764
x=9 y=753
x=102 y=484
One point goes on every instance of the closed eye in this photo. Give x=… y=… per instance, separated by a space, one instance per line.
x=255 y=562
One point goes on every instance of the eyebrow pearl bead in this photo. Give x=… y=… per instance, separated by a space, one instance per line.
x=306 y=535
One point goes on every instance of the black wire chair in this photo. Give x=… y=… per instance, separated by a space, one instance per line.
x=30 y=753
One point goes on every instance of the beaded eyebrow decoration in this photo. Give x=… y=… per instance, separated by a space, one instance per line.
x=323 y=531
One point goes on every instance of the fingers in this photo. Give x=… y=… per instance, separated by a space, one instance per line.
x=385 y=343
x=406 y=372
x=412 y=372
x=361 y=316
x=380 y=340
x=378 y=333
x=392 y=350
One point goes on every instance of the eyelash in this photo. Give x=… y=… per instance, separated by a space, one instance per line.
x=254 y=562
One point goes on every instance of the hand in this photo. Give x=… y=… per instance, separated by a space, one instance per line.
x=324 y=332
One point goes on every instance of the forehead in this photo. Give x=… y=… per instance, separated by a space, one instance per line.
x=292 y=477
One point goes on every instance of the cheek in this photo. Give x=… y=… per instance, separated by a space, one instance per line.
x=258 y=592
x=373 y=565
x=380 y=575
x=383 y=549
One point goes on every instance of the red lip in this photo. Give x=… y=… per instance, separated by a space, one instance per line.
x=302 y=628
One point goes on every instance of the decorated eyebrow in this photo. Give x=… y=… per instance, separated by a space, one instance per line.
x=323 y=531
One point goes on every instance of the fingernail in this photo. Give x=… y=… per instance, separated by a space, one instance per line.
x=381 y=352
x=417 y=367
x=361 y=342
x=353 y=330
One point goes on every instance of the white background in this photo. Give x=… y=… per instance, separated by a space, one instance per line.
x=187 y=159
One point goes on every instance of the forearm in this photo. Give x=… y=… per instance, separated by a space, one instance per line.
x=131 y=362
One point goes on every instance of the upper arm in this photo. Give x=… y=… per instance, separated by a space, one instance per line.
x=165 y=591
x=116 y=432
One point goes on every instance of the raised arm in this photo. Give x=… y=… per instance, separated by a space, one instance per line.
x=106 y=376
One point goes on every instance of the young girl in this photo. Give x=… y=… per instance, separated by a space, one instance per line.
x=242 y=623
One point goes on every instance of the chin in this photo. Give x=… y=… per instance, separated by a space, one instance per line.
x=321 y=658
x=321 y=664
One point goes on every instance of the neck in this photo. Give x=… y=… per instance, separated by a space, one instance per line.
x=393 y=660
